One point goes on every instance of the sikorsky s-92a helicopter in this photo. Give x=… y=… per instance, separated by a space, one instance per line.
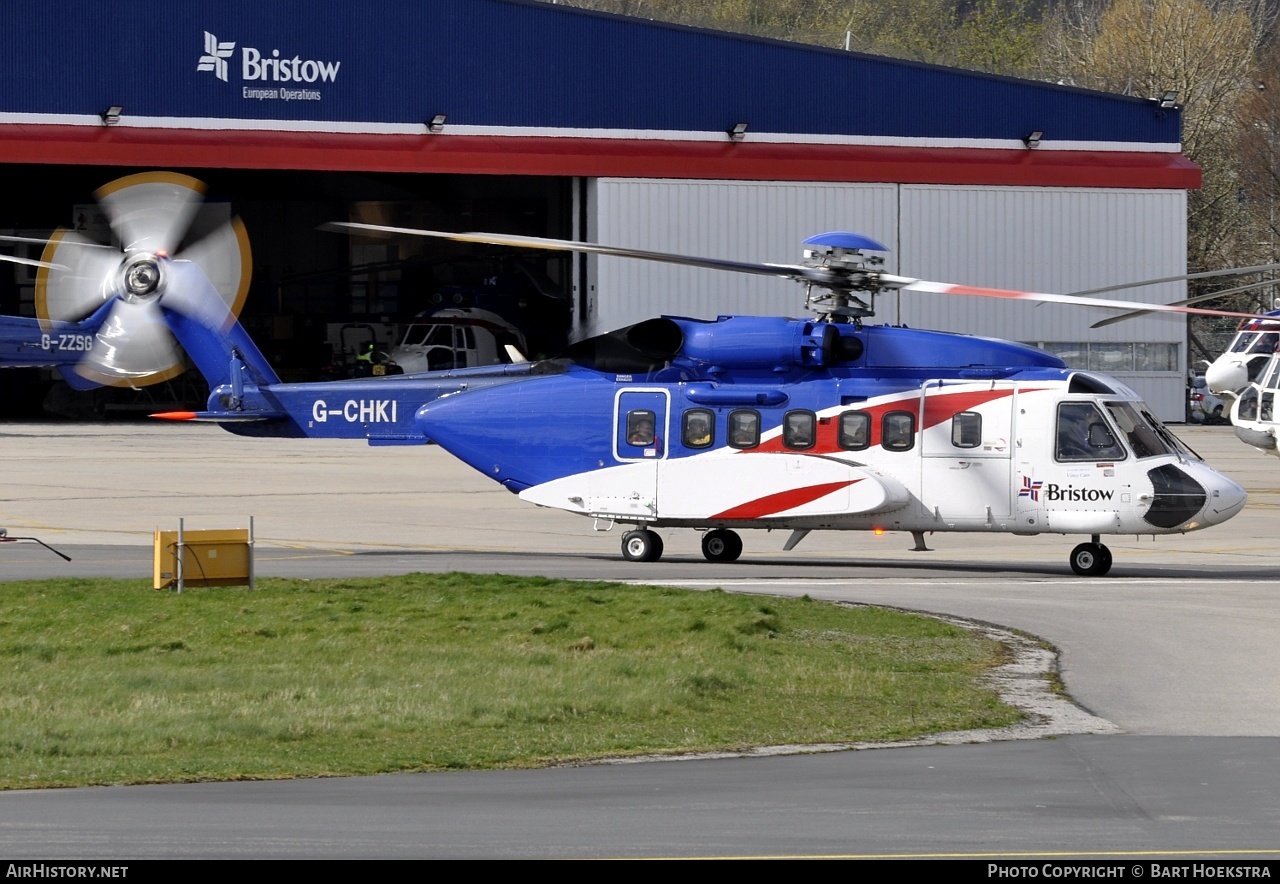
x=739 y=422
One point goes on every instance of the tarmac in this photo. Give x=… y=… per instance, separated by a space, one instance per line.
x=117 y=483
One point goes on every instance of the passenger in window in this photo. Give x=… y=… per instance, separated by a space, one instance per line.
x=699 y=433
x=853 y=431
x=642 y=434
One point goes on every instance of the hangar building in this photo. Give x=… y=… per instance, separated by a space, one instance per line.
x=531 y=118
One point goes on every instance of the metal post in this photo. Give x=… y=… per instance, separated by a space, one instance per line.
x=181 y=551
x=251 y=552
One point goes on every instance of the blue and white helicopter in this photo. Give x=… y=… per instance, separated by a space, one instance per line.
x=742 y=422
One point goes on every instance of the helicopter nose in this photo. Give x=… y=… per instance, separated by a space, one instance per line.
x=1225 y=497
x=1226 y=374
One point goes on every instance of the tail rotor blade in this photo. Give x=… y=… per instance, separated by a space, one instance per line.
x=84 y=278
x=133 y=343
x=151 y=211
x=226 y=261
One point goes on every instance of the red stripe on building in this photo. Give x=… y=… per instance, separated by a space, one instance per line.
x=588 y=157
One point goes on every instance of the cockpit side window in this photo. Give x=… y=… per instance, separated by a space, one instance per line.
x=1083 y=434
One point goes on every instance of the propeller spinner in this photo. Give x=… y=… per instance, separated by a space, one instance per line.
x=150 y=215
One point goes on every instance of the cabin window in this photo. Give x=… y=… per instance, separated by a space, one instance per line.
x=898 y=431
x=698 y=428
x=1083 y=434
x=640 y=428
x=966 y=430
x=855 y=430
x=744 y=428
x=798 y=429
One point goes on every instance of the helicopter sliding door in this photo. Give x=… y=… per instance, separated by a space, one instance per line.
x=966 y=448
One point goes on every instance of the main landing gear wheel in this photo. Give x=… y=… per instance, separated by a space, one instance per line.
x=721 y=545
x=641 y=546
x=1091 y=560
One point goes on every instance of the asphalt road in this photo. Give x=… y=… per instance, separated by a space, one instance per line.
x=1172 y=653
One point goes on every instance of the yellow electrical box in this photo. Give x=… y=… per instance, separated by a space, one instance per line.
x=216 y=557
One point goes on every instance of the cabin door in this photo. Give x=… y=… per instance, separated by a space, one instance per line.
x=966 y=451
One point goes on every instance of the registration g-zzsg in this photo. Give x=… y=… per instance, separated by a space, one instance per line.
x=67 y=343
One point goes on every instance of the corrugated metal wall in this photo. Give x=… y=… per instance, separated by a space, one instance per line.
x=1040 y=239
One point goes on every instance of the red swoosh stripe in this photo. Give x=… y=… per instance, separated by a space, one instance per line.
x=783 y=500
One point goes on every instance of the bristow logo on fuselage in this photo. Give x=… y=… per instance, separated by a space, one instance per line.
x=366 y=411
x=255 y=67
x=1071 y=492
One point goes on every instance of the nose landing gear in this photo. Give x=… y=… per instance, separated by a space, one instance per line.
x=1091 y=559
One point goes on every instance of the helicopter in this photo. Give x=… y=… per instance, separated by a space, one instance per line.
x=1246 y=374
x=741 y=422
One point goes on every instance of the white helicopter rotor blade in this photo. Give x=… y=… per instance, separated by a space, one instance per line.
x=942 y=288
x=1206 y=274
x=151 y=211
x=1196 y=300
x=226 y=261
x=80 y=281
x=134 y=342
x=787 y=271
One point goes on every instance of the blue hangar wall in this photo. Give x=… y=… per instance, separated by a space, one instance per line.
x=532 y=88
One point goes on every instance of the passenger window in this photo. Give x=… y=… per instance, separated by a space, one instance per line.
x=798 y=428
x=698 y=430
x=898 y=431
x=966 y=430
x=640 y=428
x=855 y=430
x=1083 y=434
x=744 y=429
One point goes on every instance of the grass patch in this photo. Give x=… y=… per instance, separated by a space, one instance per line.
x=112 y=682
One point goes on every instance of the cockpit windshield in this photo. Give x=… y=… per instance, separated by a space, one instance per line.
x=428 y=335
x=1147 y=436
x=1255 y=342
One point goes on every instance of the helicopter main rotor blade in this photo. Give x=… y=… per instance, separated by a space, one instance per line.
x=1206 y=274
x=31 y=262
x=942 y=288
x=1196 y=300
x=815 y=275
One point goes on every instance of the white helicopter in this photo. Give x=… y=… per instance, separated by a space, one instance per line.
x=742 y=422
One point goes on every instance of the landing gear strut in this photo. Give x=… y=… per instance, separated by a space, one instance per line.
x=721 y=545
x=1091 y=559
x=641 y=546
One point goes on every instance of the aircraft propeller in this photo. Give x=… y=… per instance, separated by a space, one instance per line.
x=836 y=264
x=150 y=215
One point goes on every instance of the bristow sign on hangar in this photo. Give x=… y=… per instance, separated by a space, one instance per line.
x=272 y=71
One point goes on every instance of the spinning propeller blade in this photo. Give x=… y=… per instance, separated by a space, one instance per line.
x=839 y=276
x=150 y=215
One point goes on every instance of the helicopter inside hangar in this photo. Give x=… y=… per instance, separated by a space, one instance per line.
x=311 y=296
